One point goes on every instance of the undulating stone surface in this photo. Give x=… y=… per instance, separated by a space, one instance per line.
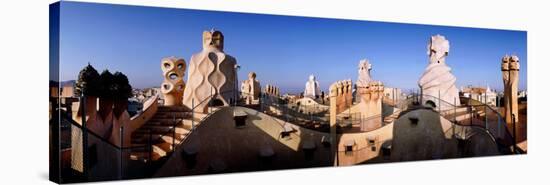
x=437 y=82
x=312 y=89
x=211 y=71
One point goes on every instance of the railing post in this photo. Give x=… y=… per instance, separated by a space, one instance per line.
x=193 y=113
x=210 y=102
x=174 y=135
x=455 y=122
x=393 y=95
x=55 y=151
x=421 y=96
x=514 y=130
x=418 y=96
x=283 y=111
x=471 y=115
x=84 y=137
x=486 y=114
x=381 y=108
x=349 y=109
x=415 y=96
x=121 y=151
x=498 y=124
x=150 y=144
x=439 y=100
x=261 y=101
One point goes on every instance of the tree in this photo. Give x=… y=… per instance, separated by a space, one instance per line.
x=88 y=82
x=122 y=90
x=106 y=85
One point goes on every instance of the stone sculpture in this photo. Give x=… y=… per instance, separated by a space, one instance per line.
x=370 y=99
x=271 y=90
x=364 y=73
x=510 y=76
x=333 y=108
x=211 y=70
x=341 y=95
x=437 y=82
x=368 y=91
x=312 y=89
x=173 y=70
x=250 y=89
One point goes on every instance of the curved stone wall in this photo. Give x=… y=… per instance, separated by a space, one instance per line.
x=241 y=148
x=210 y=72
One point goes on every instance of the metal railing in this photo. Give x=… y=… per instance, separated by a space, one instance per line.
x=176 y=123
x=477 y=114
x=356 y=122
x=317 y=117
x=308 y=116
x=90 y=151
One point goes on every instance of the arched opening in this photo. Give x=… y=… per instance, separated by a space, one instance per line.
x=431 y=104
x=167 y=87
x=216 y=102
x=173 y=76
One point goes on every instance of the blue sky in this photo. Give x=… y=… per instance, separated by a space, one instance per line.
x=282 y=50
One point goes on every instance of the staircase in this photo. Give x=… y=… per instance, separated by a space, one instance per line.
x=462 y=114
x=391 y=118
x=474 y=113
x=159 y=132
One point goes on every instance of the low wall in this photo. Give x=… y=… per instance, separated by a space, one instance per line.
x=363 y=150
x=150 y=108
x=239 y=149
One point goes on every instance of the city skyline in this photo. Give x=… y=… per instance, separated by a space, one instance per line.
x=282 y=50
